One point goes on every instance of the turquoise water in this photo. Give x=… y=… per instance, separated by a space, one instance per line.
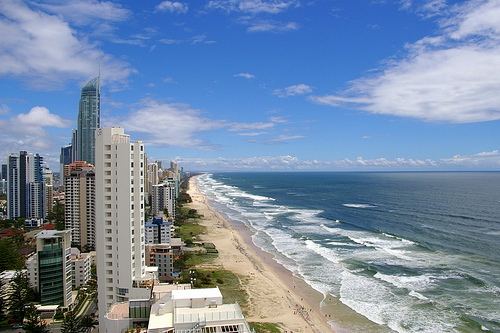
x=413 y=252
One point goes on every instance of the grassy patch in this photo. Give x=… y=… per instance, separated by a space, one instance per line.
x=265 y=327
x=190 y=230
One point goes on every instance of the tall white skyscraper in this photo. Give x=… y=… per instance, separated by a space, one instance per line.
x=120 y=243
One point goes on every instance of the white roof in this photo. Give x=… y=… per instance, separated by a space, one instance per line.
x=196 y=293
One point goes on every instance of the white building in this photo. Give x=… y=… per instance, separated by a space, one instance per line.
x=80 y=263
x=196 y=310
x=120 y=248
x=158 y=231
x=163 y=197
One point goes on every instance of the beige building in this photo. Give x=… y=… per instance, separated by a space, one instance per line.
x=120 y=246
x=79 y=185
x=80 y=263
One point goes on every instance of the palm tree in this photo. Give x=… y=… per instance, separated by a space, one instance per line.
x=33 y=322
x=89 y=322
x=70 y=323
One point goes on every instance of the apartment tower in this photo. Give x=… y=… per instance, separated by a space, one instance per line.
x=121 y=264
x=79 y=187
x=25 y=186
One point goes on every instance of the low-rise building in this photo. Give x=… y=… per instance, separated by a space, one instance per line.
x=161 y=256
x=81 y=266
x=196 y=310
x=49 y=269
x=180 y=309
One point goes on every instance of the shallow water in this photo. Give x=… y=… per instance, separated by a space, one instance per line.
x=413 y=252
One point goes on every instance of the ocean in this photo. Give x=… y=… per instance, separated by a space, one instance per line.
x=409 y=252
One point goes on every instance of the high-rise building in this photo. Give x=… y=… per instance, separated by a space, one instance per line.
x=88 y=121
x=79 y=187
x=4 y=171
x=65 y=158
x=49 y=269
x=163 y=198
x=120 y=246
x=152 y=176
x=25 y=186
x=158 y=231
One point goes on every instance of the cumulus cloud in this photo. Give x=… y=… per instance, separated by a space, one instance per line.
x=298 y=89
x=451 y=77
x=245 y=75
x=173 y=7
x=40 y=116
x=480 y=161
x=44 y=51
x=174 y=124
x=483 y=160
x=29 y=130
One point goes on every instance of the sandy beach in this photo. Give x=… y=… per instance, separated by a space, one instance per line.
x=274 y=295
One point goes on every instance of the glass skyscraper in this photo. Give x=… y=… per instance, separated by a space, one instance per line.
x=88 y=121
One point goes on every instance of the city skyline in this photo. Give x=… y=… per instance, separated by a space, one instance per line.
x=253 y=85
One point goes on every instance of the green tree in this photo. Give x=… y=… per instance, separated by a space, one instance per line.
x=89 y=322
x=20 y=294
x=33 y=322
x=70 y=323
x=3 y=304
x=10 y=258
x=57 y=216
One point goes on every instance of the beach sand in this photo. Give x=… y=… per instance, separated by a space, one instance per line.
x=275 y=296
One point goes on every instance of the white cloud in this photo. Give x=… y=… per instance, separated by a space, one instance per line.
x=297 y=89
x=174 y=124
x=253 y=6
x=84 y=12
x=238 y=127
x=283 y=138
x=452 y=77
x=44 y=51
x=4 y=109
x=484 y=160
x=173 y=7
x=27 y=130
x=480 y=161
x=40 y=116
x=272 y=26
x=245 y=75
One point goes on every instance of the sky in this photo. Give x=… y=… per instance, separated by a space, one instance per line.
x=255 y=85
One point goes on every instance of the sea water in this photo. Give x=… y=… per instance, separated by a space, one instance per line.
x=412 y=252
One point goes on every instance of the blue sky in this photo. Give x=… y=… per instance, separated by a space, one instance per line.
x=261 y=85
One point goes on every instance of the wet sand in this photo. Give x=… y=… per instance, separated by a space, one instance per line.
x=275 y=296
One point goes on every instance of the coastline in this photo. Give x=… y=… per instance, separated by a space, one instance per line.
x=275 y=295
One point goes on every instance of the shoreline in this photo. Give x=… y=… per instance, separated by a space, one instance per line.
x=275 y=295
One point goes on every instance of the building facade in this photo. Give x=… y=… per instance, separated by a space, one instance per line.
x=79 y=186
x=49 y=270
x=25 y=186
x=120 y=247
x=65 y=158
x=158 y=231
x=163 y=198
x=88 y=121
x=81 y=267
